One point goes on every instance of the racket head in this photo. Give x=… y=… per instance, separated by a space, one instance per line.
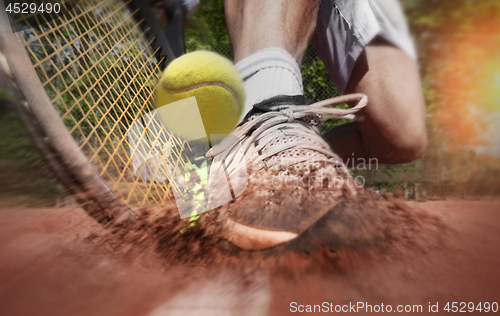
x=87 y=77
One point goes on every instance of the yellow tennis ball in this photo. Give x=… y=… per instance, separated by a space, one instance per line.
x=217 y=87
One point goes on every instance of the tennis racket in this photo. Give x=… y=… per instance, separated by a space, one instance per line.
x=80 y=79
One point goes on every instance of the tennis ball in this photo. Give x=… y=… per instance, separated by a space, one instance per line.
x=217 y=87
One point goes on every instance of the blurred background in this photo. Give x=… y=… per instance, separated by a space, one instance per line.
x=458 y=43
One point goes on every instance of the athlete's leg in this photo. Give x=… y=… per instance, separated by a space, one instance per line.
x=366 y=47
x=257 y=24
x=393 y=129
x=269 y=39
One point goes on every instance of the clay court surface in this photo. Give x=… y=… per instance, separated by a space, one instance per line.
x=50 y=266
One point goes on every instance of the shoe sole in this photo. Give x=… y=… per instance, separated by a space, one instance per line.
x=342 y=226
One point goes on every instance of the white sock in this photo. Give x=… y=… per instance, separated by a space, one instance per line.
x=267 y=73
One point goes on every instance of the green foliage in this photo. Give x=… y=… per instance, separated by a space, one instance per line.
x=24 y=179
x=432 y=14
x=387 y=186
x=206 y=29
x=317 y=83
x=17 y=151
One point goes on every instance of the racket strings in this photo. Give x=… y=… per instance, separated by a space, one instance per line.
x=100 y=73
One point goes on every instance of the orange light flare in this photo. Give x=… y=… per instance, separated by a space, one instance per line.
x=469 y=83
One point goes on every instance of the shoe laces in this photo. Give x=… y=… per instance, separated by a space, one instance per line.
x=259 y=137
